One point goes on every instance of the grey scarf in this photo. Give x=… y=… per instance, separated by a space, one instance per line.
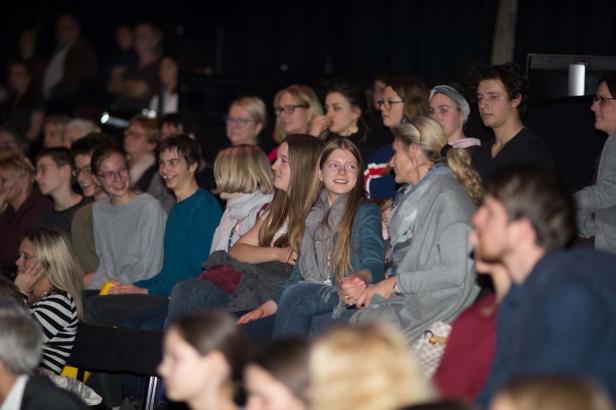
x=320 y=239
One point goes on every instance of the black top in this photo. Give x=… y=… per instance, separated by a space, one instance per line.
x=525 y=148
x=62 y=219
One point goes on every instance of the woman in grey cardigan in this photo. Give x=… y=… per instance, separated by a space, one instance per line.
x=431 y=275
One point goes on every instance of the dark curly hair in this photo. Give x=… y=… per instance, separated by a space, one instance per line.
x=509 y=74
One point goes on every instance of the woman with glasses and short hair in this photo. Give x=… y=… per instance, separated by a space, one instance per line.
x=129 y=226
x=246 y=119
x=404 y=98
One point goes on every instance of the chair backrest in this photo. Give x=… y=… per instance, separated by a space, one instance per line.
x=116 y=349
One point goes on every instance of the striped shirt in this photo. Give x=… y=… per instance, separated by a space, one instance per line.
x=57 y=315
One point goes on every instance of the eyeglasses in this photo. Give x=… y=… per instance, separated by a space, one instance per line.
x=387 y=103
x=601 y=100
x=111 y=175
x=289 y=109
x=237 y=121
x=85 y=171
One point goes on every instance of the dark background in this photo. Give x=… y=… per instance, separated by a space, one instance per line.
x=257 y=47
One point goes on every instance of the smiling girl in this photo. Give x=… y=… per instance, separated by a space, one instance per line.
x=342 y=242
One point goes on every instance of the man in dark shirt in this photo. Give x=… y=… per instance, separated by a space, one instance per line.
x=53 y=174
x=501 y=98
x=558 y=315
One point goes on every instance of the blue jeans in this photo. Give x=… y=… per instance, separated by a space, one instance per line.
x=306 y=309
x=194 y=296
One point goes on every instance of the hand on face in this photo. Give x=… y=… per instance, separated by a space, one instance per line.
x=319 y=125
x=28 y=276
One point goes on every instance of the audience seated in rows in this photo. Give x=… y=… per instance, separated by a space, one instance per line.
x=263 y=258
x=342 y=242
x=188 y=236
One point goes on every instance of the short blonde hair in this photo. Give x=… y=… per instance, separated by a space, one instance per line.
x=368 y=366
x=244 y=169
x=17 y=162
x=254 y=106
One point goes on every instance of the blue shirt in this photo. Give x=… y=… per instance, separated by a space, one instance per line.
x=560 y=321
x=188 y=237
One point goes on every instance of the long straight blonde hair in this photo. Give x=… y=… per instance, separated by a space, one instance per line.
x=290 y=206
x=53 y=250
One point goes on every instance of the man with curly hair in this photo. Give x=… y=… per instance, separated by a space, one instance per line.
x=501 y=93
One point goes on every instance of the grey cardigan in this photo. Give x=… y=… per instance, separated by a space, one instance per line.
x=597 y=203
x=435 y=279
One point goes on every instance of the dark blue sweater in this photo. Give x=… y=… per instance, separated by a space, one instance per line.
x=561 y=320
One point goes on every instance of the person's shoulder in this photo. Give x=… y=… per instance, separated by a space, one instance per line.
x=58 y=298
x=527 y=137
x=40 y=393
x=367 y=209
x=144 y=200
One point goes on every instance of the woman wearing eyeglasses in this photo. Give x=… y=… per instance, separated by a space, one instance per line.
x=404 y=98
x=296 y=107
x=129 y=226
x=246 y=119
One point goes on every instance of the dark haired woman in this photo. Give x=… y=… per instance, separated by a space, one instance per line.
x=203 y=358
